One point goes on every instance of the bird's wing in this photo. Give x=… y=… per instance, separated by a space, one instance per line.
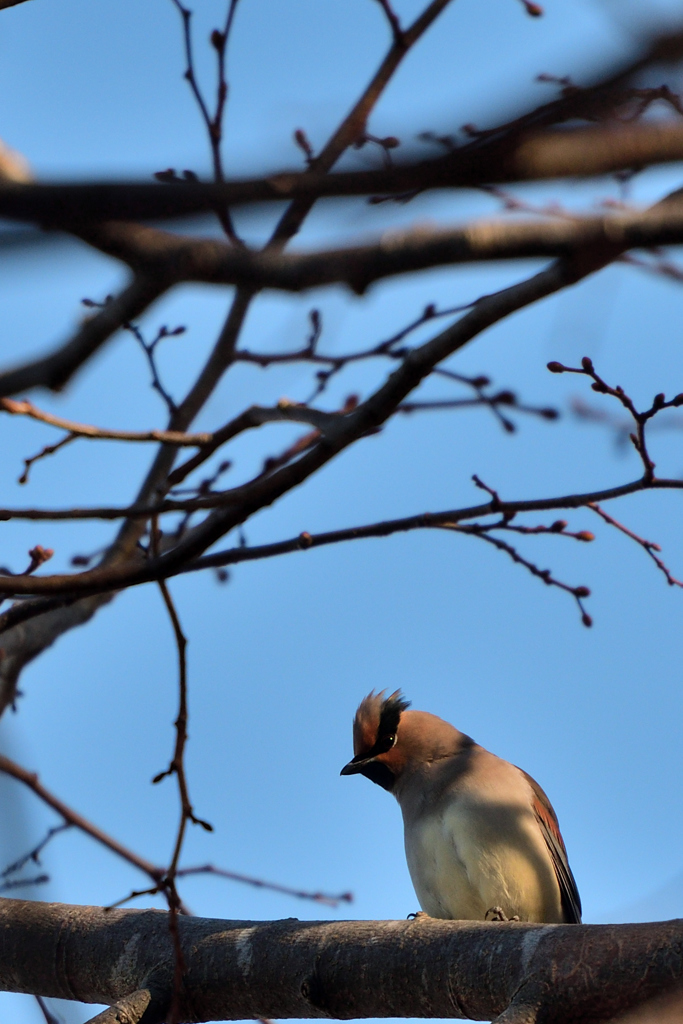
x=545 y=815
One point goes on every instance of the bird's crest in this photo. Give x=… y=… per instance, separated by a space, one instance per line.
x=376 y=718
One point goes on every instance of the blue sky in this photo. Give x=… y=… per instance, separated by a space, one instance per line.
x=281 y=655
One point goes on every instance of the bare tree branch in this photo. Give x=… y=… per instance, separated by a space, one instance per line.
x=291 y=969
x=151 y=250
x=55 y=370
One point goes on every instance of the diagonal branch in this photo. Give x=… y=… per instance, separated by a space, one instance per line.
x=153 y=251
x=55 y=370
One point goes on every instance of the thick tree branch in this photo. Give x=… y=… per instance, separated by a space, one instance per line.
x=180 y=258
x=583 y=152
x=291 y=969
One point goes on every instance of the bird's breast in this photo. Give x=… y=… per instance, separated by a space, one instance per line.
x=467 y=856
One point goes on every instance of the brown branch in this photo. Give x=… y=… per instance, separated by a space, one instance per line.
x=26 y=408
x=640 y=419
x=158 y=875
x=56 y=369
x=34 y=854
x=213 y=123
x=482 y=532
x=177 y=768
x=77 y=820
x=49 y=449
x=583 y=152
x=153 y=251
x=39 y=623
x=647 y=545
x=303 y=894
x=31 y=780
x=290 y=969
x=132 y=1009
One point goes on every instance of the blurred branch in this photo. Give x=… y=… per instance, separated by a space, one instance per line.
x=649 y=546
x=258 y=883
x=153 y=251
x=55 y=370
x=578 y=152
x=39 y=623
x=26 y=408
x=71 y=817
x=158 y=875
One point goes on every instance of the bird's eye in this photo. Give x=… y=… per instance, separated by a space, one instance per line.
x=391 y=740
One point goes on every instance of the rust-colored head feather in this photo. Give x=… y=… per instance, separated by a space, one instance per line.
x=377 y=717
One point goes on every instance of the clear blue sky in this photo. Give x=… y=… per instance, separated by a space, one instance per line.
x=280 y=657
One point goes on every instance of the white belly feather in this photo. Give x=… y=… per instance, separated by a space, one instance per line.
x=469 y=856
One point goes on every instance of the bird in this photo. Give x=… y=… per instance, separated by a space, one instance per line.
x=482 y=840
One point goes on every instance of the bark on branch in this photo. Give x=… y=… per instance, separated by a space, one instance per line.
x=533 y=156
x=423 y=968
x=179 y=258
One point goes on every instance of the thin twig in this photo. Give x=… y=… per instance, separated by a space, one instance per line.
x=647 y=545
x=177 y=768
x=259 y=883
x=34 y=854
x=49 y=449
x=86 y=430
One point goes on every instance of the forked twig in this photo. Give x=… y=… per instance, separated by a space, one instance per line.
x=647 y=545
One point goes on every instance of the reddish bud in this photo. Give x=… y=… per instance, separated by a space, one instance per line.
x=556 y=367
x=599 y=386
x=587 y=364
x=535 y=10
x=505 y=398
x=305 y=539
x=480 y=382
x=302 y=142
x=217 y=40
x=582 y=592
x=39 y=554
x=587 y=620
x=659 y=400
x=585 y=535
x=558 y=526
x=678 y=400
x=168 y=175
x=429 y=311
x=549 y=414
x=391 y=142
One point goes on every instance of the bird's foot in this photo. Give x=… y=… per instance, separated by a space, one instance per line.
x=417 y=915
x=498 y=914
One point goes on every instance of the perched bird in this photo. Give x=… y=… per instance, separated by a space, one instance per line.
x=482 y=840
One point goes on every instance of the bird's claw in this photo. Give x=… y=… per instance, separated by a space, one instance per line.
x=418 y=914
x=498 y=914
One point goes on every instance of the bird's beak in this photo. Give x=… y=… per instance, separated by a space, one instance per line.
x=356 y=765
